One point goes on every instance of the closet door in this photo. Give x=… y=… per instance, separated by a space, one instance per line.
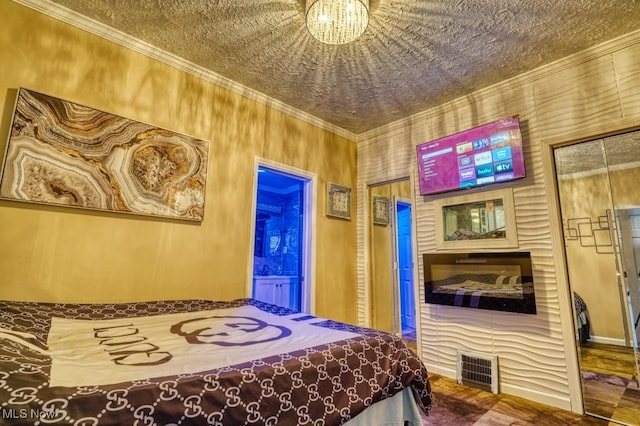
x=600 y=210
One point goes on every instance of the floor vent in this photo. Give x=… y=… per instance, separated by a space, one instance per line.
x=478 y=371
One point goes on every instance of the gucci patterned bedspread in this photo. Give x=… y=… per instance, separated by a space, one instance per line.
x=191 y=362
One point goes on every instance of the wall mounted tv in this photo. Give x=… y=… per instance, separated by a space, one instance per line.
x=495 y=281
x=484 y=155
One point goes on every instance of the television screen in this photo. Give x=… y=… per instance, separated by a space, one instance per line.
x=484 y=155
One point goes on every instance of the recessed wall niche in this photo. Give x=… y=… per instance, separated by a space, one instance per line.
x=483 y=220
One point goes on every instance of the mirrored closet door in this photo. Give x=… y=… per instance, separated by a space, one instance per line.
x=600 y=206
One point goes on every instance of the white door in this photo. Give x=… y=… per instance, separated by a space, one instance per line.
x=629 y=224
x=404 y=251
x=629 y=229
x=634 y=285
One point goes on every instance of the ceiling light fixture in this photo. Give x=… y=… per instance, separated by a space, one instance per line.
x=337 y=21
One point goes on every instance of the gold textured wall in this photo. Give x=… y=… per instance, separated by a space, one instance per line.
x=61 y=254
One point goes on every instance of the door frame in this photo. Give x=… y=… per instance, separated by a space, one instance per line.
x=407 y=202
x=625 y=234
x=364 y=207
x=547 y=144
x=307 y=285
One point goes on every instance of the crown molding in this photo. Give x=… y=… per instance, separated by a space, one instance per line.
x=528 y=77
x=92 y=26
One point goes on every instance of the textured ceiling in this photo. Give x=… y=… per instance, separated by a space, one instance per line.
x=414 y=55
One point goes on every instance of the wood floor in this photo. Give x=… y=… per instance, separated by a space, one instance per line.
x=463 y=406
x=607 y=359
x=616 y=397
x=609 y=380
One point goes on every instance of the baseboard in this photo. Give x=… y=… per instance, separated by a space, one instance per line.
x=540 y=397
x=607 y=340
x=441 y=371
x=529 y=394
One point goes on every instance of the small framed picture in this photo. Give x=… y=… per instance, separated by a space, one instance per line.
x=380 y=210
x=338 y=201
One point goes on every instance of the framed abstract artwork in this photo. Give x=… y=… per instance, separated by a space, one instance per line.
x=66 y=154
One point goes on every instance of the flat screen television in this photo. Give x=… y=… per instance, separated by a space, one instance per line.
x=484 y=155
x=495 y=281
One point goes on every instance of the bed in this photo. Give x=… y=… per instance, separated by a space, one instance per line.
x=190 y=362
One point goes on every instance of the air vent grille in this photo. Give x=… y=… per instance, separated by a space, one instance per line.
x=478 y=371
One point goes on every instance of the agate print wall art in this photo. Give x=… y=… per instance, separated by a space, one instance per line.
x=67 y=154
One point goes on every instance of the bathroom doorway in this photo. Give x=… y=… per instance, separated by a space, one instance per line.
x=281 y=247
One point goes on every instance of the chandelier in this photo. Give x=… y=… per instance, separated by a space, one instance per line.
x=337 y=21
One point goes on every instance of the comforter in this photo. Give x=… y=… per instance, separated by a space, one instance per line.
x=194 y=362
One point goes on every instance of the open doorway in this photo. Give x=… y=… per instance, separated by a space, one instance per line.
x=282 y=234
x=391 y=259
x=404 y=271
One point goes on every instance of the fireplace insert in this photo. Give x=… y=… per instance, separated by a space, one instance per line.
x=496 y=281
